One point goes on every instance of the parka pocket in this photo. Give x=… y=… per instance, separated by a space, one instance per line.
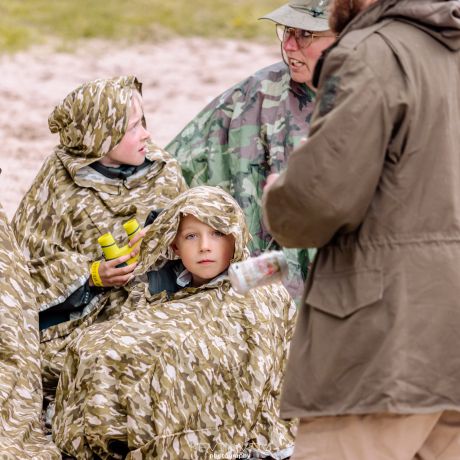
x=342 y=294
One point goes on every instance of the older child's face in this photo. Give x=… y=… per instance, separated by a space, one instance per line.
x=131 y=150
x=205 y=252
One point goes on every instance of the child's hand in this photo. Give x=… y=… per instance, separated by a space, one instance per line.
x=111 y=275
x=138 y=237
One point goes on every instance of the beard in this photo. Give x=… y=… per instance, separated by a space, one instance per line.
x=342 y=12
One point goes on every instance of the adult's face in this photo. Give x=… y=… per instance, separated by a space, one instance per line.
x=343 y=11
x=302 y=57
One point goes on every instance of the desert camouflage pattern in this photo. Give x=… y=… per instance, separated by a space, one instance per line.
x=193 y=376
x=70 y=205
x=21 y=435
x=241 y=137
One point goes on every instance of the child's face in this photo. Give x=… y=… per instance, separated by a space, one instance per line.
x=205 y=252
x=131 y=150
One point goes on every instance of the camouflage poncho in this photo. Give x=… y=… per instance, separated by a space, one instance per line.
x=70 y=204
x=21 y=436
x=186 y=377
x=242 y=136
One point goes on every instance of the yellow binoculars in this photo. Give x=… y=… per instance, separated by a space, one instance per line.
x=110 y=248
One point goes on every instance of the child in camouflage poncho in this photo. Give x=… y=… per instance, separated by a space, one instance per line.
x=241 y=137
x=104 y=172
x=194 y=374
x=21 y=436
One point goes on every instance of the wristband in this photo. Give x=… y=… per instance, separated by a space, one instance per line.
x=95 y=274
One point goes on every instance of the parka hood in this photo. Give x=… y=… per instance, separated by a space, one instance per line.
x=212 y=206
x=439 y=18
x=92 y=119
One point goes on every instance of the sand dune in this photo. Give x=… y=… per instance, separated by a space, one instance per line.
x=179 y=76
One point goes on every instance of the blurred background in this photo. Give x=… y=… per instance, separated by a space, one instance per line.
x=185 y=52
x=26 y=22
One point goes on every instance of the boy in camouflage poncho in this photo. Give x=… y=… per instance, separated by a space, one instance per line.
x=21 y=436
x=241 y=137
x=195 y=374
x=84 y=190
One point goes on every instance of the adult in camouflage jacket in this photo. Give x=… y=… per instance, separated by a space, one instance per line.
x=195 y=375
x=21 y=436
x=75 y=199
x=250 y=130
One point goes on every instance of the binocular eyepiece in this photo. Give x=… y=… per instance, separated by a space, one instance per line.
x=110 y=248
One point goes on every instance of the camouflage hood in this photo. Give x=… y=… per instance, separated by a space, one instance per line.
x=92 y=120
x=212 y=206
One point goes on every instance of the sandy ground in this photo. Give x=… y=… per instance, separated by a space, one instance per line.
x=179 y=77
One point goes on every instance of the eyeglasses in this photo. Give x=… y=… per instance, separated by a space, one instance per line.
x=304 y=38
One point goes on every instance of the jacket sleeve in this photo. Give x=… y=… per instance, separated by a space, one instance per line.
x=330 y=181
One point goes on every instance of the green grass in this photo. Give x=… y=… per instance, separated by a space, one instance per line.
x=27 y=22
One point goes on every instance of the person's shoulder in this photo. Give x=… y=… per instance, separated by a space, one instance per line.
x=272 y=76
x=166 y=167
x=365 y=54
x=256 y=83
x=158 y=155
x=51 y=169
x=361 y=44
x=273 y=72
x=48 y=187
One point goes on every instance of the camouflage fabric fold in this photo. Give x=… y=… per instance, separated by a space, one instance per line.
x=242 y=136
x=21 y=435
x=70 y=205
x=193 y=376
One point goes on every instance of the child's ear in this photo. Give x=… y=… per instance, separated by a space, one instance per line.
x=175 y=249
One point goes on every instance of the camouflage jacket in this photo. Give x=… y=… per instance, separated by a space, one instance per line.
x=21 y=436
x=242 y=136
x=191 y=376
x=70 y=205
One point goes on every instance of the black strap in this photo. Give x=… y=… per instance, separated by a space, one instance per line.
x=74 y=303
x=165 y=279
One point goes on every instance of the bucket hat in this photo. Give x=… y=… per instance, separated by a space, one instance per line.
x=302 y=14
